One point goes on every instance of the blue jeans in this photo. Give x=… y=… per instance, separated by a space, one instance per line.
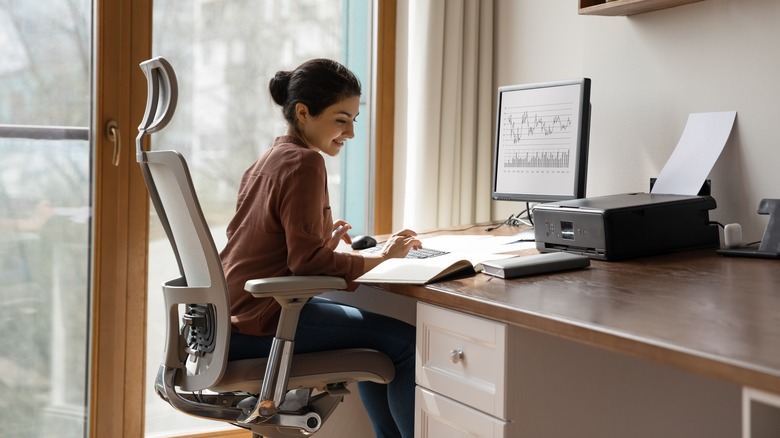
x=326 y=325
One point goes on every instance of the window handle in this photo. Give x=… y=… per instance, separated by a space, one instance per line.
x=112 y=132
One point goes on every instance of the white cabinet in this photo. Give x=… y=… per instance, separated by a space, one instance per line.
x=478 y=377
x=463 y=384
x=439 y=416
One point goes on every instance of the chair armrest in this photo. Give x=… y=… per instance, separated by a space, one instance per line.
x=291 y=293
x=294 y=286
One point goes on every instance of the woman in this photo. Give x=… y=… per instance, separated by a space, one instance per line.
x=283 y=226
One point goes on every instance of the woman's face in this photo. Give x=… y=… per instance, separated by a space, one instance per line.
x=328 y=131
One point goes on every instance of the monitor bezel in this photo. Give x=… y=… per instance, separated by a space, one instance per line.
x=582 y=146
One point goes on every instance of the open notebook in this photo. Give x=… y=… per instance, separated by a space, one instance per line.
x=464 y=256
x=420 y=271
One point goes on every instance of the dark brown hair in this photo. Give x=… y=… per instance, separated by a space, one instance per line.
x=318 y=84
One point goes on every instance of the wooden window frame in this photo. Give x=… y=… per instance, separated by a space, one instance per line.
x=122 y=30
x=385 y=118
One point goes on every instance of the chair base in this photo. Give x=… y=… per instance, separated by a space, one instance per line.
x=301 y=414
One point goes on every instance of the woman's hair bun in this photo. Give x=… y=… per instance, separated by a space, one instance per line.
x=279 y=85
x=317 y=84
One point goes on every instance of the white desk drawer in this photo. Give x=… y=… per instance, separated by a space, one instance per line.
x=439 y=417
x=462 y=357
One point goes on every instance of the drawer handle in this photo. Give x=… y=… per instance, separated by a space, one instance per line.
x=456 y=355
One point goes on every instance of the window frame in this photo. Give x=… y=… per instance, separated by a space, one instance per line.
x=384 y=114
x=122 y=39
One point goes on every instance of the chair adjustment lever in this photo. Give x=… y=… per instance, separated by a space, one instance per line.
x=338 y=389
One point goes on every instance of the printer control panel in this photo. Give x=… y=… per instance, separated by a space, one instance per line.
x=574 y=231
x=567 y=230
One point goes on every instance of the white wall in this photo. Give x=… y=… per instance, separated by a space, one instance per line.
x=651 y=70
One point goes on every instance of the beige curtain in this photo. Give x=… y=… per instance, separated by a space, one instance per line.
x=448 y=100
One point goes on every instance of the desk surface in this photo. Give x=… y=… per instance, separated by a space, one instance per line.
x=697 y=311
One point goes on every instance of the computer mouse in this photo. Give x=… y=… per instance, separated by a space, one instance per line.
x=363 y=242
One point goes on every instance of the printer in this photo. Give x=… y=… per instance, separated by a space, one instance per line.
x=623 y=226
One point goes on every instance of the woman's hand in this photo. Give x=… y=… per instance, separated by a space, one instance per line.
x=397 y=246
x=340 y=228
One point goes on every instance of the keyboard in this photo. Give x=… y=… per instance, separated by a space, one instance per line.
x=422 y=253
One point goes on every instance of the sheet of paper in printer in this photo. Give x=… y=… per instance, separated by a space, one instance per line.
x=701 y=143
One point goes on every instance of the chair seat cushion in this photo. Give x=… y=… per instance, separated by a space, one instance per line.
x=311 y=370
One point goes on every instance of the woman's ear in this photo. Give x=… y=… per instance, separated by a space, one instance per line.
x=301 y=112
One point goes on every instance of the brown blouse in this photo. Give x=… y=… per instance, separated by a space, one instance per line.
x=282 y=224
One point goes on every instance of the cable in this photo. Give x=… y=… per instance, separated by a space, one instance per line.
x=453 y=230
x=515 y=220
x=500 y=225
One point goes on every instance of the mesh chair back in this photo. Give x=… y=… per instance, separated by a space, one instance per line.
x=197 y=303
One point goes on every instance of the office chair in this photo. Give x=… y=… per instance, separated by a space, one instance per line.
x=279 y=396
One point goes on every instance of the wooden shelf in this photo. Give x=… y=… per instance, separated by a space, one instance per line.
x=627 y=7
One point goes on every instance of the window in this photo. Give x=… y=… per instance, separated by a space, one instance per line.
x=45 y=212
x=224 y=53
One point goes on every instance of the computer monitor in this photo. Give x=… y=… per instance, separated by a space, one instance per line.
x=541 y=143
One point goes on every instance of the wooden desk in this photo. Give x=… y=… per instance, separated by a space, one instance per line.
x=695 y=311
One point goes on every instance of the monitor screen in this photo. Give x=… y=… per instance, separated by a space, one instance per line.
x=541 y=143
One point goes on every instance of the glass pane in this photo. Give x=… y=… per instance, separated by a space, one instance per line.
x=224 y=53
x=45 y=209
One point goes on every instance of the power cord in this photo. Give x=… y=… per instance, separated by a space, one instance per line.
x=515 y=220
